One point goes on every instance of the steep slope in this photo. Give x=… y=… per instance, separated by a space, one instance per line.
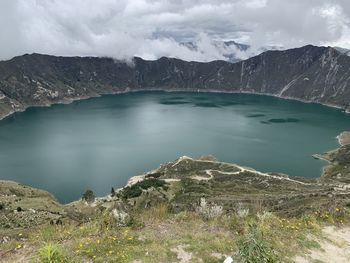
x=343 y=50
x=315 y=74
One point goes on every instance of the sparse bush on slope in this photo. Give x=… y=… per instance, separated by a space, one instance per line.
x=136 y=189
x=88 y=196
x=253 y=248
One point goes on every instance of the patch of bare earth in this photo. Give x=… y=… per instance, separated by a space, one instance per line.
x=182 y=255
x=344 y=138
x=335 y=247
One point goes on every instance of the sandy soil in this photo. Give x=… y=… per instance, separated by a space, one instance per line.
x=335 y=248
x=344 y=138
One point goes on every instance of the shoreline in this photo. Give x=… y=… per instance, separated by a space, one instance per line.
x=343 y=138
x=72 y=100
x=138 y=178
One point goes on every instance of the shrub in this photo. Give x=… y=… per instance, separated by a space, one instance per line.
x=131 y=191
x=209 y=211
x=156 y=174
x=112 y=192
x=241 y=211
x=121 y=217
x=88 y=196
x=136 y=189
x=253 y=248
x=152 y=182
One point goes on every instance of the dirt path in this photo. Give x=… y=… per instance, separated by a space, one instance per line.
x=242 y=169
x=335 y=248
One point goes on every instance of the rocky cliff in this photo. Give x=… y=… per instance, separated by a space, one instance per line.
x=309 y=73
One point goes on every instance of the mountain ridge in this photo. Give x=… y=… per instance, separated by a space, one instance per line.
x=309 y=73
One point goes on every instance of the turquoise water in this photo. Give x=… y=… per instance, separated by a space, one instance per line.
x=101 y=142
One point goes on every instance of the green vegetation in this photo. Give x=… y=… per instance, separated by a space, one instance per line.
x=339 y=169
x=156 y=234
x=112 y=192
x=253 y=248
x=136 y=189
x=187 y=210
x=155 y=174
x=51 y=253
x=88 y=196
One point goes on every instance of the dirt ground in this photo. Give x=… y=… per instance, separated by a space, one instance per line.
x=335 y=248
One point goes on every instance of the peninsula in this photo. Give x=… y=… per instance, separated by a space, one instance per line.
x=221 y=204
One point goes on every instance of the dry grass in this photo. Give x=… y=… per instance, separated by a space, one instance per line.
x=155 y=234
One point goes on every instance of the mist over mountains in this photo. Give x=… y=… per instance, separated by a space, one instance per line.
x=152 y=28
x=230 y=51
x=309 y=73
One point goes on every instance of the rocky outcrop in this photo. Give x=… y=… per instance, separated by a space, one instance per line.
x=314 y=74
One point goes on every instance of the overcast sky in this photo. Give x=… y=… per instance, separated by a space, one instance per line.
x=154 y=28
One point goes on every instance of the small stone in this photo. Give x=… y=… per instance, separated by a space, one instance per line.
x=228 y=260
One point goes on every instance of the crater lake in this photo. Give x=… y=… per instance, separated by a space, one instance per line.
x=101 y=142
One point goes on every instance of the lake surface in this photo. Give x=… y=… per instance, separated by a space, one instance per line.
x=101 y=142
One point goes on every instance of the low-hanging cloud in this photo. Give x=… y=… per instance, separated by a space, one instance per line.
x=154 y=28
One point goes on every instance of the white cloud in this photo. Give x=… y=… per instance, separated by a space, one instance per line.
x=155 y=28
x=338 y=23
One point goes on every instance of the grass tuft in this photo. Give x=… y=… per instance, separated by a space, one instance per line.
x=51 y=253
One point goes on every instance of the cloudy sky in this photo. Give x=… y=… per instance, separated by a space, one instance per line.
x=155 y=28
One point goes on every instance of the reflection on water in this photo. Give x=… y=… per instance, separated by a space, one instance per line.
x=101 y=142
